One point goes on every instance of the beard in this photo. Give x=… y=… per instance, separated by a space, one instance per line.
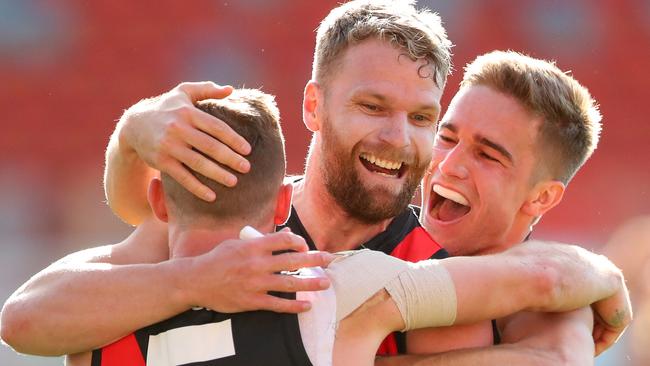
x=369 y=205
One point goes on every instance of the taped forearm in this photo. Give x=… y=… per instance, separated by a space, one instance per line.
x=423 y=292
x=425 y=295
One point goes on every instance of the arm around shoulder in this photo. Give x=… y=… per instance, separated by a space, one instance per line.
x=59 y=309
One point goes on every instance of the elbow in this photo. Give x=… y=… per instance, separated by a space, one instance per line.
x=10 y=325
x=17 y=330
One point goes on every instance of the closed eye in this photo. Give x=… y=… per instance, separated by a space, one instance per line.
x=446 y=139
x=489 y=157
x=370 y=107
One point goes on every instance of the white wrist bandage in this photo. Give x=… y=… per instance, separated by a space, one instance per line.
x=358 y=275
x=425 y=295
x=424 y=292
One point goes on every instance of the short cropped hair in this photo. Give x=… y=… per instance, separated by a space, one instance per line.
x=255 y=116
x=419 y=33
x=570 y=127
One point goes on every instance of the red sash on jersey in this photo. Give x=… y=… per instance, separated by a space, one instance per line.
x=124 y=352
x=416 y=246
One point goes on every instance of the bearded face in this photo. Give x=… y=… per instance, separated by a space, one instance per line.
x=345 y=171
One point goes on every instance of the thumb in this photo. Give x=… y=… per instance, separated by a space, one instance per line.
x=204 y=90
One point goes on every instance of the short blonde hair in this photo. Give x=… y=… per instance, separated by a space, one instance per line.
x=418 y=32
x=570 y=126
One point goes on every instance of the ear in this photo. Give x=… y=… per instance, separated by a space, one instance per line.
x=543 y=197
x=156 y=197
x=283 y=204
x=310 y=103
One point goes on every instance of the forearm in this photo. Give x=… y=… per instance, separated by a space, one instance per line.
x=126 y=178
x=537 y=339
x=68 y=308
x=492 y=287
x=497 y=355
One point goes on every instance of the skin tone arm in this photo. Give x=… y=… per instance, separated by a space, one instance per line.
x=159 y=134
x=550 y=339
x=549 y=277
x=59 y=310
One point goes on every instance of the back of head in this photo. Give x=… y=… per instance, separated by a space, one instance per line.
x=570 y=126
x=418 y=32
x=255 y=116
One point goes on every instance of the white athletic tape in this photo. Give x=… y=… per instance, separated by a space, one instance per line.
x=357 y=275
x=425 y=295
x=423 y=292
x=248 y=232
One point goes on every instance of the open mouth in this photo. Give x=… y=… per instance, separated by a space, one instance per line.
x=387 y=168
x=447 y=205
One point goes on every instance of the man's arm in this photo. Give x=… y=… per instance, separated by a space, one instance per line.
x=78 y=304
x=543 y=277
x=164 y=133
x=532 y=339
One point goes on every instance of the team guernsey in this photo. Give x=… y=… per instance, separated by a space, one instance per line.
x=201 y=337
x=405 y=239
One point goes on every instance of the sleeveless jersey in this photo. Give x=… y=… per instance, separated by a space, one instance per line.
x=201 y=337
x=185 y=338
x=405 y=239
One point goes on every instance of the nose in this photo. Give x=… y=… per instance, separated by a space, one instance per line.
x=452 y=162
x=395 y=131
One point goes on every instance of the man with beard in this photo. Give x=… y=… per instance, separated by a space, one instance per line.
x=374 y=113
x=372 y=103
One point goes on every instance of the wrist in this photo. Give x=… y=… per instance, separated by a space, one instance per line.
x=178 y=273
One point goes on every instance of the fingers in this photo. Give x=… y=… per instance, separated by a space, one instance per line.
x=204 y=90
x=214 y=148
x=291 y=283
x=222 y=132
x=213 y=126
x=183 y=176
x=279 y=305
x=292 y=261
x=199 y=163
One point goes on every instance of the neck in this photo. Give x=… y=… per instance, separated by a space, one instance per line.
x=187 y=241
x=331 y=228
x=517 y=235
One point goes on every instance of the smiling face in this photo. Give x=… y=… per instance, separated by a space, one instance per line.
x=480 y=192
x=374 y=128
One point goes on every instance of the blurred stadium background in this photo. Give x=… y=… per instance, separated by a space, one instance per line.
x=69 y=68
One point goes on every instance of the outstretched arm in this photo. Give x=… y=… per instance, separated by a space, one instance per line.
x=164 y=133
x=537 y=276
x=78 y=303
x=534 y=276
x=531 y=339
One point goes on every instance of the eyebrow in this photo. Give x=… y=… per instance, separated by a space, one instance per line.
x=431 y=108
x=481 y=140
x=502 y=150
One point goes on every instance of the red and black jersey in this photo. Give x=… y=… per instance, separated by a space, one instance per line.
x=258 y=337
x=202 y=337
x=404 y=238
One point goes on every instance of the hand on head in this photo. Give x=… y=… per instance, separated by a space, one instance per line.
x=169 y=134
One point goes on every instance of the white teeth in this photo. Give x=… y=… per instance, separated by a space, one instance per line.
x=380 y=162
x=450 y=195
